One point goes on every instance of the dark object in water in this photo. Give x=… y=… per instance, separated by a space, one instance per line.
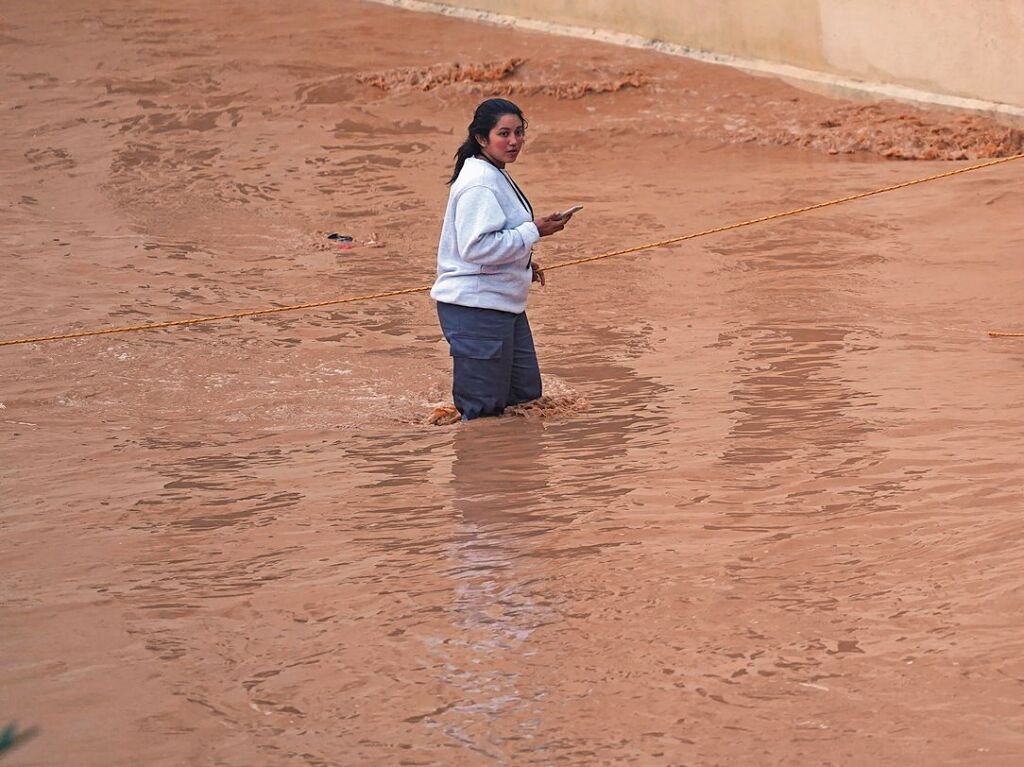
x=10 y=737
x=343 y=241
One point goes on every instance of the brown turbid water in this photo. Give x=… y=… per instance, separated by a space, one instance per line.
x=770 y=514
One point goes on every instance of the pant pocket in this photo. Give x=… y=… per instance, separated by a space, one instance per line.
x=475 y=348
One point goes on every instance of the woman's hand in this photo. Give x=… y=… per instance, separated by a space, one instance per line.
x=549 y=224
x=538 y=273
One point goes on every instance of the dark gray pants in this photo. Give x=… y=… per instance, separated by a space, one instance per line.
x=493 y=359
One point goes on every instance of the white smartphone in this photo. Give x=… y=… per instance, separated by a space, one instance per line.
x=567 y=213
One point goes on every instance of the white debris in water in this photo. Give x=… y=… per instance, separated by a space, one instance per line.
x=814 y=686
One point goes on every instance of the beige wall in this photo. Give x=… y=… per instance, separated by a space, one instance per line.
x=972 y=49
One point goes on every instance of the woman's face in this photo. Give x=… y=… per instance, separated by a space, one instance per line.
x=505 y=140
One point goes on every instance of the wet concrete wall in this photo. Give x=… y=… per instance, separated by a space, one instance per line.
x=956 y=48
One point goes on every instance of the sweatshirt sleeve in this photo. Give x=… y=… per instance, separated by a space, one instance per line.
x=479 y=232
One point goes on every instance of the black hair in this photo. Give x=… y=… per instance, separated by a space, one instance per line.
x=485 y=118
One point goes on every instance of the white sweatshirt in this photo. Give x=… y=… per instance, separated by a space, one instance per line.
x=483 y=258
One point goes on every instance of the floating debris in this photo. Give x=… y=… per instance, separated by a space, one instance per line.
x=343 y=241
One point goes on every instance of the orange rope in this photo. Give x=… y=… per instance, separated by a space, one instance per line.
x=574 y=262
x=784 y=214
x=197 y=320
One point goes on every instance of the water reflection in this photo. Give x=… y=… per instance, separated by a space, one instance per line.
x=528 y=498
x=498 y=483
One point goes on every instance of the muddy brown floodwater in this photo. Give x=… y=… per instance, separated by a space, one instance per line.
x=771 y=516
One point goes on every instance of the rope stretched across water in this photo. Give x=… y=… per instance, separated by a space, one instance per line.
x=561 y=265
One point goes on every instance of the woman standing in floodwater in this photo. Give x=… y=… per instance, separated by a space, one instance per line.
x=485 y=267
